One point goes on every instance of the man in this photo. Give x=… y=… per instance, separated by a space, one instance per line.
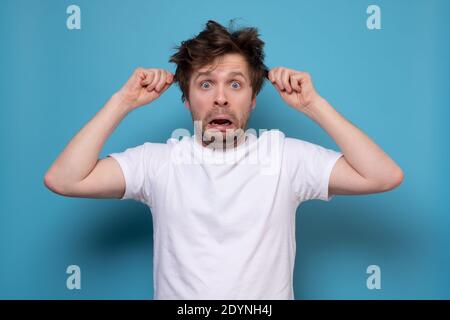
x=223 y=201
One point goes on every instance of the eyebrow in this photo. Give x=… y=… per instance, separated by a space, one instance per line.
x=232 y=74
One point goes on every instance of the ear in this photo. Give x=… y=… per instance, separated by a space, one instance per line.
x=254 y=102
x=187 y=104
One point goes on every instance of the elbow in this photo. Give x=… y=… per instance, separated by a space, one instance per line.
x=48 y=181
x=395 y=180
x=51 y=183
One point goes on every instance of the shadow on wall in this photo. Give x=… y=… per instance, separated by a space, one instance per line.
x=345 y=236
x=337 y=242
x=119 y=229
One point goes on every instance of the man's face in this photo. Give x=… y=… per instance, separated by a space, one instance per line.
x=220 y=96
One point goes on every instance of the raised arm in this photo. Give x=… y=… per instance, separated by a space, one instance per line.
x=365 y=167
x=78 y=171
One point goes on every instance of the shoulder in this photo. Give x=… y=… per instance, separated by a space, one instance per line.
x=273 y=136
x=154 y=154
x=302 y=147
x=155 y=147
x=289 y=143
x=298 y=143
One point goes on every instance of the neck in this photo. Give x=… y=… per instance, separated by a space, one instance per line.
x=223 y=145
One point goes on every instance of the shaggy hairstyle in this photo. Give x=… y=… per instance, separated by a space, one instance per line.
x=215 y=41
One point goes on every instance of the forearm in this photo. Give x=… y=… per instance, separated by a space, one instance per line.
x=82 y=153
x=364 y=155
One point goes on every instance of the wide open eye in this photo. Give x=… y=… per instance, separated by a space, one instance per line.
x=205 y=84
x=235 y=84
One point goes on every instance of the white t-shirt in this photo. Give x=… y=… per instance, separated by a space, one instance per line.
x=224 y=222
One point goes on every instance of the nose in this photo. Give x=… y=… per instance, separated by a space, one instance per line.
x=220 y=99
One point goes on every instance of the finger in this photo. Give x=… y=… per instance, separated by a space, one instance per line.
x=276 y=86
x=294 y=81
x=277 y=79
x=135 y=79
x=285 y=74
x=155 y=80
x=148 y=79
x=271 y=76
x=140 y=73
x=170 y=77
x=304 y=77
x=162 y=81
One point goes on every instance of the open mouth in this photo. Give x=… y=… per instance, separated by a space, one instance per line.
x=220 y=123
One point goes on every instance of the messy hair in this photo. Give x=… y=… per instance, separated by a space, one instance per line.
x=215 y=41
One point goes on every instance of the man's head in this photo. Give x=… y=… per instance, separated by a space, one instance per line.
x=220 y=72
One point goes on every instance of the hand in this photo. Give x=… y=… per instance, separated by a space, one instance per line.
x=295 y=87
x=144 y=86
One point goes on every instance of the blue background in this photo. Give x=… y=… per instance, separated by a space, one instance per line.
x=392 y=83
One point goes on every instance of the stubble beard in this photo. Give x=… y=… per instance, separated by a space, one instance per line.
x=215 y=139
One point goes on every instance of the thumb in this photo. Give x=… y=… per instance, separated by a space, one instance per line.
x=134 y=82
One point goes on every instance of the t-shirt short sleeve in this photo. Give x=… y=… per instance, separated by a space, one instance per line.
x=309 y=167
x=134 y=164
